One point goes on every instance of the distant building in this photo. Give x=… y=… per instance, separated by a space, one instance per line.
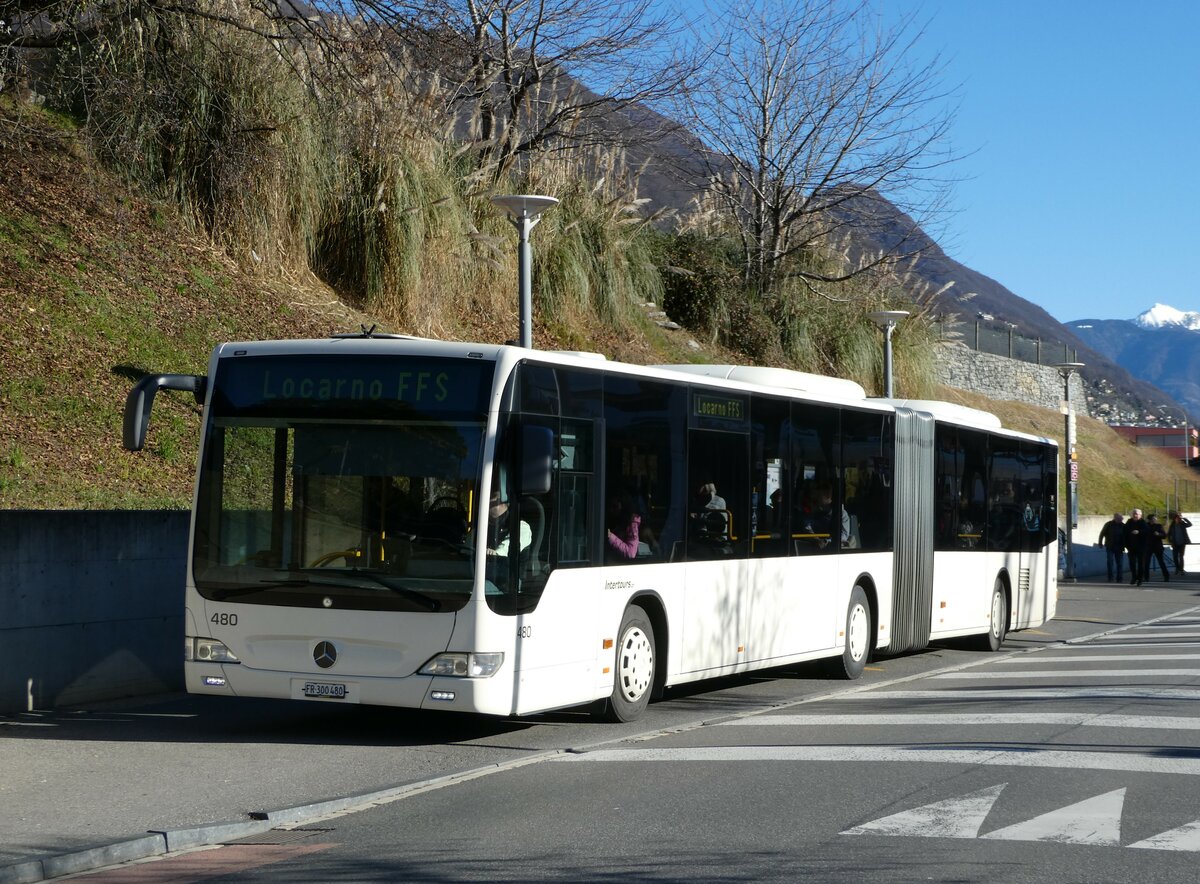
x=1170 y=440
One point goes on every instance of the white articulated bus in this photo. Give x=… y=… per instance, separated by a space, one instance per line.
x=406 y=522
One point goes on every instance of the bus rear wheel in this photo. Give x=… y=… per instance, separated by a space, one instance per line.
x=633 y=671
x=998 y=624
x=858 y=634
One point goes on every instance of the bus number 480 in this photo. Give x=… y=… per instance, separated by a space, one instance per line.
x=223 y=619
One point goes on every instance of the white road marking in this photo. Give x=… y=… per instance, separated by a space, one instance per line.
x=1083 y=645
x=1081 y=719
x=960 y=817
x=1128 y=634
x=1044 y=659
x=1099 y=692
x=1183 y=838
x=1071 y=673
x=1094 y=821
x=1133 y=762
x=1172 y=624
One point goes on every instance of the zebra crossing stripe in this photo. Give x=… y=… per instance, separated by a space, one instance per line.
x=1077 y=692
x=1045 y=659
x=1068 y=673
x=1129 y=762
x=1109 y=646
x=1172 y=624
x=1080 y=719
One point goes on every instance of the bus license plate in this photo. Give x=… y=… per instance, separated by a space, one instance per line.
x=323 y=689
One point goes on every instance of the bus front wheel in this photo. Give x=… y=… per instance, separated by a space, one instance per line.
x=858 y=634
x=998 y=622
x=633 y=678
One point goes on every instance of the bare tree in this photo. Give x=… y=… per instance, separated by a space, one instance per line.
x=820 y=120
x=533 y=75
x=518 y=76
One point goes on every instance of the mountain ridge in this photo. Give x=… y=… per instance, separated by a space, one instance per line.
x=1115 y=394
x=1167 y=355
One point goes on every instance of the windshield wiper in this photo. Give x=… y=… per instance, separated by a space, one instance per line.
x=298 y=578
x=235 y=591
x=413 y=595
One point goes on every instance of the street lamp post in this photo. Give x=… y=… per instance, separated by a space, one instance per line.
x=525 y=211
x=887 y=320
x=1065 y=370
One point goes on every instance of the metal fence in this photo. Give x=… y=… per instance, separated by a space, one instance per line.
x=986 y=338
x=1183 y=497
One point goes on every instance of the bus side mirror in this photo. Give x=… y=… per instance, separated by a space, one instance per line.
x=141 y=400
x=537 y=457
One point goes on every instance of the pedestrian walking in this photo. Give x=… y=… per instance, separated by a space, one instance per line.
x=1136 y=538
x=1112 y=538
x=1177 y=534
x=1156 y=534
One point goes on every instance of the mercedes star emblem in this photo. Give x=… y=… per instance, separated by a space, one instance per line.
x=325 y=654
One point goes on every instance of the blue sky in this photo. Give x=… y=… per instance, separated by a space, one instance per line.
x=1082 y=193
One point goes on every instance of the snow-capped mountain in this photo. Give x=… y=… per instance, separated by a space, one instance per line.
x=1161 y=346
x=1164 y=315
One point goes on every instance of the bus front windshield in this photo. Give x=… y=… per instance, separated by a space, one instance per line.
x=350 y=512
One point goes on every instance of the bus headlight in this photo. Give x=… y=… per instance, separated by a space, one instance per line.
x=473 y=665
x=208 y=650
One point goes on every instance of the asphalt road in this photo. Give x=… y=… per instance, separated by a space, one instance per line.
x=713 y=794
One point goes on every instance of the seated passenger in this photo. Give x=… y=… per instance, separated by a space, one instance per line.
x=822 y=520
x=624 y=526
x=708 y=497
x=776 y=517
x=710 y=519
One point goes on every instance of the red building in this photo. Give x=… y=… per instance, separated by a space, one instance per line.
x=1170 y=440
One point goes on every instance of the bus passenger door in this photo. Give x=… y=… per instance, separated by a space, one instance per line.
x=1034 y=534
x=716 y=543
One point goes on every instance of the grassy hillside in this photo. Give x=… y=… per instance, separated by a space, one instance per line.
x=99 y=285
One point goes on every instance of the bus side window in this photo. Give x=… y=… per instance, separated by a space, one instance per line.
x=576 y=480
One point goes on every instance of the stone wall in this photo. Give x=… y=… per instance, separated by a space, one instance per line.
x=999 y=377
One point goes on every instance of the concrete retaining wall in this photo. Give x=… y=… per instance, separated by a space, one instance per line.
x=91 y=605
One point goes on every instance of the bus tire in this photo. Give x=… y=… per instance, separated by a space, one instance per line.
x=998 y=622
x=857 y=651
x=633 y=668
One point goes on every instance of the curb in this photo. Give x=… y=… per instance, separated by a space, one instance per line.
x=162 y=841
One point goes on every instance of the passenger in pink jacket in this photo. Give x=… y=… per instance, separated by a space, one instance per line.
x=624 y=526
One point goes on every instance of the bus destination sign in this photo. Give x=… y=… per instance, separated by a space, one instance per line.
x=711 y=408
x=274 y=384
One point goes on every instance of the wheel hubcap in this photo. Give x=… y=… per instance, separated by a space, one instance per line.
x=635 y=667
x=997 y=613
x=857 y=637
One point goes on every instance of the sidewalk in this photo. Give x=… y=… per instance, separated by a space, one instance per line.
x=81 y=789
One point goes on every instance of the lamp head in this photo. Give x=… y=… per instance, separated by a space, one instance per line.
x=524 y=205
x=1066 y=369
x=886 y=318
